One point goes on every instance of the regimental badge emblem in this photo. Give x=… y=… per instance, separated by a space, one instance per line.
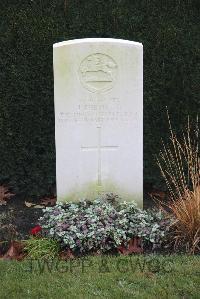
x=98 y=72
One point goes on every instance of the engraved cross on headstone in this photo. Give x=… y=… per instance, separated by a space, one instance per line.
x=99 y=147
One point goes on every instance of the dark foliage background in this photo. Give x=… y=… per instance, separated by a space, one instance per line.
x=169 y=33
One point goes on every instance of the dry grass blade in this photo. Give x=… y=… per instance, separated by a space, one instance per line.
x=179 y=163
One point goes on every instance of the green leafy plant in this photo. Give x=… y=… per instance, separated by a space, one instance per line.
x=101 y=225
x=151 y=225
x=41 y=248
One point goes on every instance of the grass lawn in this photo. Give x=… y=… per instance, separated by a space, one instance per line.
x=139 y=276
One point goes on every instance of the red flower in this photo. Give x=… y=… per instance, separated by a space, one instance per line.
x=34 y=231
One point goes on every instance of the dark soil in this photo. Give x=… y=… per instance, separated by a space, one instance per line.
x=16 y=219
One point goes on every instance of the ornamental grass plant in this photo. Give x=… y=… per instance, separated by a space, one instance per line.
x=179 y=163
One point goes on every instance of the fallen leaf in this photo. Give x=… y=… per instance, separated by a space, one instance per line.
x=39 y=207
x=134 y=246
x=15 y=251
x=48 y=201
x=5 y=195
x=66 y=254
x=33 y=205
x=29 y=204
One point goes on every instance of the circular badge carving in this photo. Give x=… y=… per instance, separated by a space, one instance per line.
x=98 y=72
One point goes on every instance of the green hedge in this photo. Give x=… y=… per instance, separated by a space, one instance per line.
x=169 y=32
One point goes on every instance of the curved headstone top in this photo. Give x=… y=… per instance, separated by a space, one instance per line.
x=97 y=40
x=98 y=94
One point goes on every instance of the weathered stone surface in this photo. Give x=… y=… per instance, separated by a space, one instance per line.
x=99 y=118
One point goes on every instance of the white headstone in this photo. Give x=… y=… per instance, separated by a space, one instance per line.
x=98 y=90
